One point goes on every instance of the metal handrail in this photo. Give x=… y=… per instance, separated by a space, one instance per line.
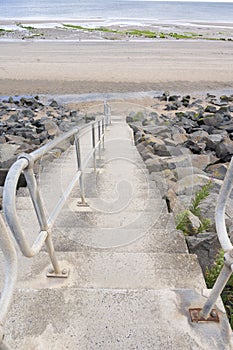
x=25 y=164
x=225 y=242
x=11 y=267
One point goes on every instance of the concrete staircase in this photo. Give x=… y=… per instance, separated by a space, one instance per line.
x=131 y=279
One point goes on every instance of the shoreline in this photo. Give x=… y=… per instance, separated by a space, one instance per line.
x=113 y=29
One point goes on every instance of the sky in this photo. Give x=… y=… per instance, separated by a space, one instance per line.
x=195 y=0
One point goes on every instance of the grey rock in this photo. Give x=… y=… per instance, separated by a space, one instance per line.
x=164 y=96
x=158 y=130
x=201 y=161
x=14 y=139
x=27 y=113
x=227 y=126
x=213 y=140
x=173 y=98
x=173 y=106
x=130 y=117
x=180 y=173
x=179 y=139
x=210 y=109
x=53 y=104
x=185 y=100
x=177 y=162
x=199 y=135
x=224 y=110
x=146 y=154
x=161 y=182
x=193 y=223
x=51 y=128
x=224 y=149
x=158 y=145
x=195 y=147
x=206 y=246
x=73 y=114
x=154 y=165
x=218 y=170
x=13 y=118
x=214 y=120
x=176 y=151
x=226 y=98
x=7 y=155
x=190 y=184
x=2 y=139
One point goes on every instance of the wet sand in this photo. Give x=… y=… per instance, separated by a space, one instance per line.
x=81 y=67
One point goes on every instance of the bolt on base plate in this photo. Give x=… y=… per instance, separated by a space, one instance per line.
x=64 y=273
x=195 y=316
x=80 y=204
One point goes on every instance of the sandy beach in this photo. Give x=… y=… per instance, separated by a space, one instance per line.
x=82 y=67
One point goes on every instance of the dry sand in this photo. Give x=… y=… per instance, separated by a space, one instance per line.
x=81 y=67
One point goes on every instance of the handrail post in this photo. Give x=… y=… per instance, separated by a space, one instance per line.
x=103 y=132
x=10 y=278
x=99 y=139
x=37 y=203
x=220 y=283
x=93 y=145
x=107 y=113
x=225 y=242
x=79 y=162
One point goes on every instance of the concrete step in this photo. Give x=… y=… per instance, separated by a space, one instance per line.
x=149 y=230
x=89 y=319
x=126 y=240
x=97 y=269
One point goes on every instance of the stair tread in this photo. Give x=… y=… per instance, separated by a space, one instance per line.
x=118 y=270
x=88 y=319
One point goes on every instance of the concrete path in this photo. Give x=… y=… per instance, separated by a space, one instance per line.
x=131 y=279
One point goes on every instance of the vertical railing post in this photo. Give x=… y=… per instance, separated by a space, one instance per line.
x=93 y=145
x=103 y=130
x=220 y=283
x=109 y=114
x=10 y=278
x=79 y=163
x=37 y=203
x=225 y=242
x=106 y=113
x=99 y=138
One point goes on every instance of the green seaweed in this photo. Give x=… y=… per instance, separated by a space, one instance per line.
x=2 y=30
x=34 y=35
x=143 y=33
x=25 y=27
x=193 y=34
x=135 y=32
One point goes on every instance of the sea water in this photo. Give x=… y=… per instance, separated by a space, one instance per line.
x=121 y=11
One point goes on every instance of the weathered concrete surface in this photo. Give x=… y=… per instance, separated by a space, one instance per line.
x=110 y=319
x=131 y=280
x=118 y=271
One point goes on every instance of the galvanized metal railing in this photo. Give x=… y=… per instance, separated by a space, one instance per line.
x=11 y=267
x=207 y=311
x=25 y=164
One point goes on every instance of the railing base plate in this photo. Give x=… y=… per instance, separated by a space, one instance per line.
x=64 y=274
x=80 y=204
x=195 y=316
